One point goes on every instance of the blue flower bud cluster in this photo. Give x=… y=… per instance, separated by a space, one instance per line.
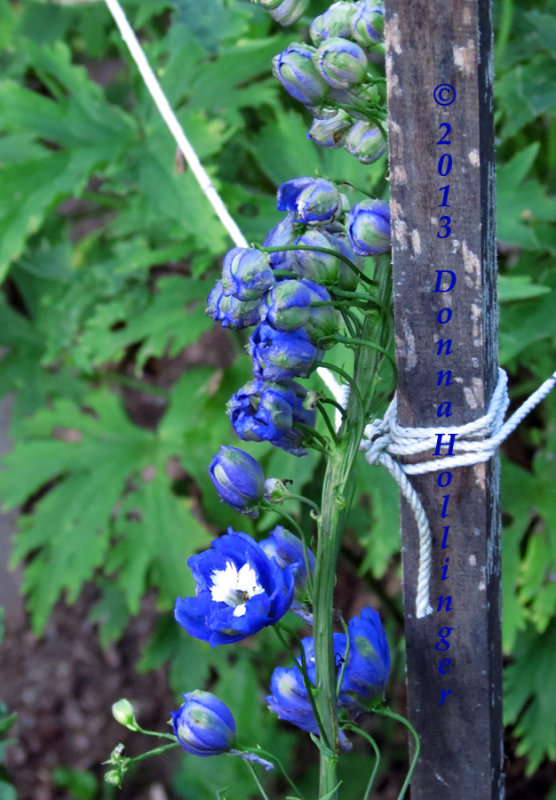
x=287 y=295
x=331 y=78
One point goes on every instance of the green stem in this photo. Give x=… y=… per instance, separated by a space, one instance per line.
x=157 y=751
x=327 y=422
x=256 y=779
x=309 y=688
x=335 y=506
x=361 y=343
x=353 y=727
x=271 y=757
x=385 y=712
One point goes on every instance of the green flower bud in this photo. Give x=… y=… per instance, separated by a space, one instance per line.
x=123 y=712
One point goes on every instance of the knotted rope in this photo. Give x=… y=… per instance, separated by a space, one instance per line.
x=384 y=441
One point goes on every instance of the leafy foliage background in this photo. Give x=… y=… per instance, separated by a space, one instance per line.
x=107 y=252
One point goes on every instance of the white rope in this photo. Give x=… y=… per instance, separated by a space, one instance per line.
x=174 y=126
x=152 y=84
x=384 y=440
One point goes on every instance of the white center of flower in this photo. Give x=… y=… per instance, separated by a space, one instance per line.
x=235 y=587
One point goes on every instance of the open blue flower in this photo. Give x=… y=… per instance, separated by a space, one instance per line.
x=288 y=698
x=239 y=591
x=204 y=725
x=262 y=411
x=368 y=661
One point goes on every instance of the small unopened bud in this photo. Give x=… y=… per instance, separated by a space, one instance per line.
x=123 y=712
x=275 y=490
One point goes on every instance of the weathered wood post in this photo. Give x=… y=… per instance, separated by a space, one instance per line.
x=439 y=72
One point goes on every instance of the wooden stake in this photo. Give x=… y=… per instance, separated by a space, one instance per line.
x=439 y=72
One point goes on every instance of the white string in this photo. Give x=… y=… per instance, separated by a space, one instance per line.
x=152 y=84
x=174 y=126
x=475 y=442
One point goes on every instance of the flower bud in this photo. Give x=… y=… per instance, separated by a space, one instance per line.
x=282 y=235
x=315 y=200
x=367 y=22
x=288 y=11
x=287 y=307
x=336 y=21
x=204 y=725
x=286 y=550
x=362 y=96
x=297 y=73
x=262 y=411
x=275 y=491
x=231 y=312
x=348 y=278
x=239 y=480
x=341 y=63
x=123 y=712
x=368 y=661
x=322 y=268
x=246 y=273
x=368 y=226
x=268 y=5
x=330 y=131
x=280 y=356
x=365 y=142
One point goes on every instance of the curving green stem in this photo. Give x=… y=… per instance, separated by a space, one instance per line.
x=385 y=712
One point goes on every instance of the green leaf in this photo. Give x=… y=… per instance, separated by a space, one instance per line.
x=156 y=533
x=29 y=190
x=518 y=287
x=526 y=92
x=530 y=685
x=88 y=458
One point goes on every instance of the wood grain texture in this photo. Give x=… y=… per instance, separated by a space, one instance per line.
x=430 y=42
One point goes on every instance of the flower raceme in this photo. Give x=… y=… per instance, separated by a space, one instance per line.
x=204 y=725
x=239 y=591
x=238 y=479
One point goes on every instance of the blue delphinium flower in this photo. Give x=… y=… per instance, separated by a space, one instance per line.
x=289 y=306
x=297 y=73
x=341 y=63
x=321 y=268
x=316 y=201
x=204 y=725
x=287 y=550
x=286 y=12
x=231 y=312
x=239 y=591
x=288 y=698
x=367 y=23
x=279 y=356
x=369 y=227
x=262 y=411
x=246 y=273
x=282 y=235
x=335 y=21
x=239 y=479
x=365 y=142
x=330 y=131
x=368 y=661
